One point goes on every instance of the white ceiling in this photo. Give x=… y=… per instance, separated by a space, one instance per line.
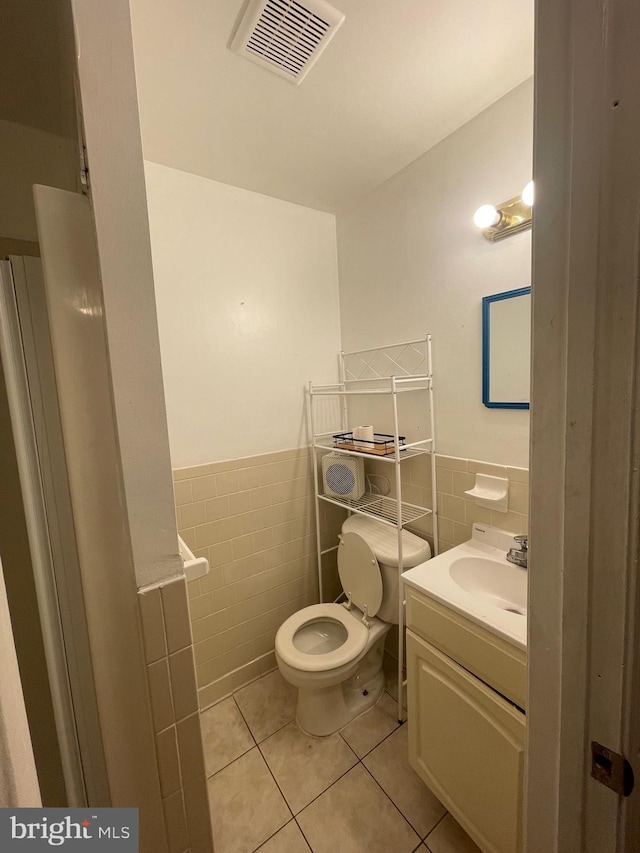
x=398 y=77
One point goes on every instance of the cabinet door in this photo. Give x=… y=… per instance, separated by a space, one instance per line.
x=467 y=744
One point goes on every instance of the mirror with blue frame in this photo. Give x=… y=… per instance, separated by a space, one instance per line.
x=506 y=349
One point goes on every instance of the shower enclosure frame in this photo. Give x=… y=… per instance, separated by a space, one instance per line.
x=364 y=373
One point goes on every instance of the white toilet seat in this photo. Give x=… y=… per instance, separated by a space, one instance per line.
x=357 y=636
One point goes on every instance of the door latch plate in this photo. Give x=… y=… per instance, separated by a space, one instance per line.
x=611 y=769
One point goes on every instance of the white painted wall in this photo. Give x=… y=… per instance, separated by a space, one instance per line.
x=247 y=297
x=30 y=156
x=411 y=261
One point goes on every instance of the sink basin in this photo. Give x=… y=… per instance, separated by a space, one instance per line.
x=476 y=579
x=498 y=583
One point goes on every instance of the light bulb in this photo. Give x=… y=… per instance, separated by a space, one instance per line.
x=486 y=216
x=528 y=194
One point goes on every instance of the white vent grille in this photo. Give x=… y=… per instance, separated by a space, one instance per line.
x=286 y=36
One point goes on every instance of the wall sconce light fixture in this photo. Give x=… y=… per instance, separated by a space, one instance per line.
x=510 y=217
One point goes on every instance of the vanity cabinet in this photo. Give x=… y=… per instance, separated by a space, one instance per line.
x=466 y=741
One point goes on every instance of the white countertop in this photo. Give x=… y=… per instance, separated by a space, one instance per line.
x=433 y=578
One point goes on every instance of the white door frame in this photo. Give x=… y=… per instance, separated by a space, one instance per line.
x=584 y=435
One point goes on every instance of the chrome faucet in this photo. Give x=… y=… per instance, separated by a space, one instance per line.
x=518 y=556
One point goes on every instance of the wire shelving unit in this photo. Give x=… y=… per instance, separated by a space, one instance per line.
x=387 y=371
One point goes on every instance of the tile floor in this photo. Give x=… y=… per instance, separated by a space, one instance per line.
x=274 y=789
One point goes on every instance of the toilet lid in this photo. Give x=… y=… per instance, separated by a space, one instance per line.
x=359 y=573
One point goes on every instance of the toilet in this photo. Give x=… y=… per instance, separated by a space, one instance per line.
x=333 y=652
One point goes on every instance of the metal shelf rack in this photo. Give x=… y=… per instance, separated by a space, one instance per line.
x=404 y=368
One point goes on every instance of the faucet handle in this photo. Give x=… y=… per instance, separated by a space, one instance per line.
x=523 y=542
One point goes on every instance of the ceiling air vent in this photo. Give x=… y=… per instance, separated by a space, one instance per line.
x=285 y=36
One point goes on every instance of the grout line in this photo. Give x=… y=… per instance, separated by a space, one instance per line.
x=303 y=835
x=229 y=763
x=286 y=802
x=233 y=696
x=262 y=843
x=341 y=776
x=392 y=803
x=434 y=827
x=262 y=755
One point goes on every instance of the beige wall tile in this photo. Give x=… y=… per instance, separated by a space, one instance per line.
x=183 y=683
x=189 y=473
x=227 y=482
x=290 y=490
x=176 y=823
x=217 y=690
x=254 y=563
x=209 y=626
x=268 y=663
x=513 y=522
x=204 y=487
x=168 y=764
x=453 y=462
x=218 y=556
x=273 y=515
x=261 y=497
x=274 y=556
x=177 y=621
x=249 y=478
x=518 y=475
x=412 y=494
x=239 y=502
x=213 y=580
x=217 y=508
x=453 y=508
x=444 y=478
x=475 y=513
x=233 y=572
x=152 y=625
x=201 y=606
x=252 y=521
x=461 y=533
x=519 y=498
x=182 y=492
x=192 y=514
x=193 y=587
x=189 y=536
x=262 y=540
x=265 y=569
x=445 y=528
x=242 y=547
x=190 y=748
x=160 y=692
x=281 y=533
x=196 y=801
x=477 y=467
x=462 y=482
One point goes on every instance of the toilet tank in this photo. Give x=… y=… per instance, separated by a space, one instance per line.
x=383 y=541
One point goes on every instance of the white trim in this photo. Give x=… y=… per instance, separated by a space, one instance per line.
x=584 y=337
x=35 y=516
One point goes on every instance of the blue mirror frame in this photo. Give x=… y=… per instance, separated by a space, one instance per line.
x=486 y=341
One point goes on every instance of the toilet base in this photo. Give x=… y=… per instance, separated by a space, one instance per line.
x=321 y=712
x=326 y=711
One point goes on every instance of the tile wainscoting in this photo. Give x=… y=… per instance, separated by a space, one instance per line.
x=253 y=519
x=166 y=629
